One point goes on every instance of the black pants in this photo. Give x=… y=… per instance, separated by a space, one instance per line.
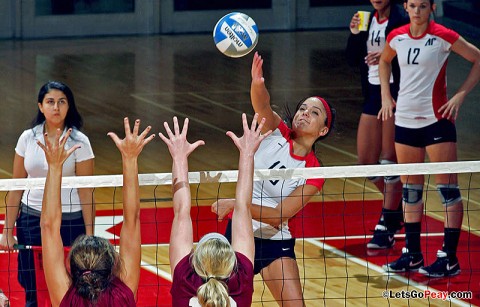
x=28 y=233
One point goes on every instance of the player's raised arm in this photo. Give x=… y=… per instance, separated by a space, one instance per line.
x=130 y=239
x=181 y=236
x=56 y=275
x=260 y=95
x=242 y=233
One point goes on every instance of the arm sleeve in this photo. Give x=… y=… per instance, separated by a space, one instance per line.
x=317 y=182
x=449 y=36
x=85 y=152
x=21 y=147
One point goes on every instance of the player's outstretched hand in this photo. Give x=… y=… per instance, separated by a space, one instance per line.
x=132 y=145
x=55 y=152
x=252 y=136
x=257 y=69
x=177 y=141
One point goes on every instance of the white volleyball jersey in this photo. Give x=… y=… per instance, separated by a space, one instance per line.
x=376 y=42
x=276 y=152
x=423 y=65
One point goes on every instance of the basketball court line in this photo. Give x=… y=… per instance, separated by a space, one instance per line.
x=6 y=172
x=435 y=234
x=218 y=104
x=177 y=113
x=378 y=269
x=152 y=268
x=345 y=238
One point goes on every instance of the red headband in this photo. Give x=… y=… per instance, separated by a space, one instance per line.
x=327 y=109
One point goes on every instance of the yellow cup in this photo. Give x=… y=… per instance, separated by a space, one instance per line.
x=364 y=18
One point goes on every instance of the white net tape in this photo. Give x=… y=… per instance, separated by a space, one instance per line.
x=264 y=174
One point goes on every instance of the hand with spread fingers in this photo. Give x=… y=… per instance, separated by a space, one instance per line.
x=55 y=152
x=177 y=141
x=132 y=145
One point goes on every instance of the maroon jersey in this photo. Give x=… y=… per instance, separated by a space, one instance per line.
x=186 y=282
x=117 y=294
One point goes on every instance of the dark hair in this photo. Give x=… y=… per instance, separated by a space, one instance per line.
x=289 y=115
x=93 y=265
x=431 y=2
x=73 y=118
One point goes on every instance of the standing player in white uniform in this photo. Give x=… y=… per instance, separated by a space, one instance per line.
x=425 y=123
x=375 y=138
x=274 y=202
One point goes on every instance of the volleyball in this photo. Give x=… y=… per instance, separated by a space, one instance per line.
x=235 y=34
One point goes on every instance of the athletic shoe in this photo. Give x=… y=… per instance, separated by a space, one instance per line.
x=406 y=262
x=441 y=267
x=382 y=238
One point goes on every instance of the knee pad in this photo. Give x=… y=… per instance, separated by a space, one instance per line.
x=449 y=194
x=412 y=194
x=389 y=179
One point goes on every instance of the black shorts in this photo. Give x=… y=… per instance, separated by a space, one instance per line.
x=267 y=251
x=440 y=132
x=373 y=98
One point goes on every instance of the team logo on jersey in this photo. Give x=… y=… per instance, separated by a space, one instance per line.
x=430 y=41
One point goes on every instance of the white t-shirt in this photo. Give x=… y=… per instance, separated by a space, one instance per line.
x=423 y=66
x=276 y=152
x=36 y=165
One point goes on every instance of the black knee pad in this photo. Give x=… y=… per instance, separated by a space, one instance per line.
x=449 y=194
x=412 y=194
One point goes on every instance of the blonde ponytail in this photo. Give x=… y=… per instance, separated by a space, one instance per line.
x=214 y=260
x=213 y=293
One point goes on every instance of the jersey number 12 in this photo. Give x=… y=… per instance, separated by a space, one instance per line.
x=413 y=55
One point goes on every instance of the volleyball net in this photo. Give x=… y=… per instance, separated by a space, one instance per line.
x=332 y=231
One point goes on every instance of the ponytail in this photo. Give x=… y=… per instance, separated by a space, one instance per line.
x=90 y=284
x=93 y=265
x=214 y=261
x=213 y=293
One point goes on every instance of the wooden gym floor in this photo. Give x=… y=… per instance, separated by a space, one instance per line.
x=156 y=77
